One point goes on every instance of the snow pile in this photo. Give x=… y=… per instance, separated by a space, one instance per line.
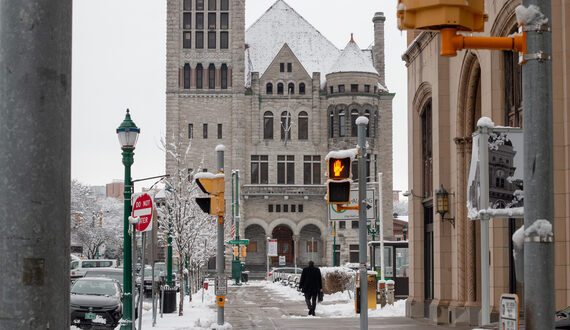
x=220 y=147
x=352 y=59
x=530 y=15
x=485 y=122
x=280 y=25
x=518 y=238
x=541 y=228
x=208 y=175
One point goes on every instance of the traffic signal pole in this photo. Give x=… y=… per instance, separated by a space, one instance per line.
x=538 y=171
x=362 y=230
x=220 y=246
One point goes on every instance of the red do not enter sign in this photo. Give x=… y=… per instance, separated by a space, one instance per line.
x=143 y=208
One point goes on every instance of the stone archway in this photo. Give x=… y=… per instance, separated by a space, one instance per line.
x=256 y=249
x=285 y=247
x=311 y=245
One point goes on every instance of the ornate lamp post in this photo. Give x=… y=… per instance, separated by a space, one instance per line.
x=128 y=134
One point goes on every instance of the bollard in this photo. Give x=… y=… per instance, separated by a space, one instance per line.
x=390 y=292
x=382 y=293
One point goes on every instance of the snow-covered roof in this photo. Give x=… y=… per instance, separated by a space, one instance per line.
x=281 y=24
x=353 y=59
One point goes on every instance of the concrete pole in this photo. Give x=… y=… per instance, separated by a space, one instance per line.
x=220 y=262
x=484 y=182
x=362 y=230
x=35 y=149
x=538 y=175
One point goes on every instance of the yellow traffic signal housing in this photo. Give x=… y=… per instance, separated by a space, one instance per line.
x=214 y=205
x=464 y=15
x=243 y=251
x=215 y=186
x=235 y=248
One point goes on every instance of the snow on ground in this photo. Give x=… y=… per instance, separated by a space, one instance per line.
x=340 y=304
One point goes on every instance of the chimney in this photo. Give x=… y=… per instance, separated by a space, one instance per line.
x=379 y=62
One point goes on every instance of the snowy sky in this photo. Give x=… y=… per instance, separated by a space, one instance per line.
x=119 y=62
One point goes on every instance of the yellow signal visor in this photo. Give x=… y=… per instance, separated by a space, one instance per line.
x=213 y=184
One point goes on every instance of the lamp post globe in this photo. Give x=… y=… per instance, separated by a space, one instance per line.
x=128 y=134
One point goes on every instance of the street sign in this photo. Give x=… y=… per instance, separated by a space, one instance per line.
x=281 y=260
x=221 y=285
x=509 y=312
x=238 y=241
x=143 y=208
x=353 y=214
x=272 y=248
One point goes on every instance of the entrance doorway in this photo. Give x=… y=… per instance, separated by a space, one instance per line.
x=285 y=246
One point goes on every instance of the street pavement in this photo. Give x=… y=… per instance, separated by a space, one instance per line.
x=253 y=307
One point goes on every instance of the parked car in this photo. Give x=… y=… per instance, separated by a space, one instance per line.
x=281 y=273
x=79 y=267
x=96 y=301
x=115 y=274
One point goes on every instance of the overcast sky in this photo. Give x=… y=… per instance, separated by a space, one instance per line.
x=119 y=62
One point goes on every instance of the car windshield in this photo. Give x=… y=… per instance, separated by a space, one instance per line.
x=97 y=288
x=114 y=275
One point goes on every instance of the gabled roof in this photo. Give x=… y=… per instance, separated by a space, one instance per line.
x=281 y=24
x=353 y=59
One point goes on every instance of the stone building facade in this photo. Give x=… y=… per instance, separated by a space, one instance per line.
x=446 y=97
x=279 y=96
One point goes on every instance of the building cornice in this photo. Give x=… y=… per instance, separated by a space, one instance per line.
x=417 y=46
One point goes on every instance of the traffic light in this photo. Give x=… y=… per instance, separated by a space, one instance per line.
x=243 y=251
x=338 y=185
x=78 y=220
x=214 y=185
x=438 y=14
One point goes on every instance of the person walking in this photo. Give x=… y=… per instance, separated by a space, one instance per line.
x=311 y=285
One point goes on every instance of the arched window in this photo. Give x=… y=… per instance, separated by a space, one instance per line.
x=224 y=76
x=367 y=115
x=269 y=88
x=199 y=76
x=302 y=88
x=211 y=76
x=303 y=122
x=353 y=126
x=291 y=88
x=331 y=125
x=268 y=125
x=280 y=88
x=341 y=123
x=186 y=76
x=285 y=125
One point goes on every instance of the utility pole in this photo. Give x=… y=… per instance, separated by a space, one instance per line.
x=220 y=246
x=362 y=230
x=35 y=149
x=538 y=170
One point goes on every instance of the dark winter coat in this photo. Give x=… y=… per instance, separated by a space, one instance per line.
x=311 y=281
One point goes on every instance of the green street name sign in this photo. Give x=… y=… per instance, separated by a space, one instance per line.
x=238 y=241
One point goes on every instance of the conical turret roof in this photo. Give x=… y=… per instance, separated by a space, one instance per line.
x=352 y=59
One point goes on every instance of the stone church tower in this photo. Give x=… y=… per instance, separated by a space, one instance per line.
x=279 y=96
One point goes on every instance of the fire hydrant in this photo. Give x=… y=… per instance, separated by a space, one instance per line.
x=390 y=292
x=382 y=293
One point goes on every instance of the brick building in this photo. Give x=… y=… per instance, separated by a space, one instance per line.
x=279 y=96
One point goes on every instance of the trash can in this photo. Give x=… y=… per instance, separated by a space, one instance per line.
x=245 y=276
x=168 y=299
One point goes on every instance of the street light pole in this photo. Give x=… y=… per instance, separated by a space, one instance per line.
x=361 y=122
x=128 y=133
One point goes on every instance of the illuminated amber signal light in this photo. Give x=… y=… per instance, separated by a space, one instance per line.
x=339 y=168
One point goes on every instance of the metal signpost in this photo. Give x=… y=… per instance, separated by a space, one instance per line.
x=362 y=122
x=143 y=207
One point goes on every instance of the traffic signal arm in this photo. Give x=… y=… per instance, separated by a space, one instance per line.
x=340 y=208
x=451 y=42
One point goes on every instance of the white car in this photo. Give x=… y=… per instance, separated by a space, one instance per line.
x=78 y=268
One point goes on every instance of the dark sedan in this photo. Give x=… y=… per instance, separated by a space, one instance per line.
x=96 y=302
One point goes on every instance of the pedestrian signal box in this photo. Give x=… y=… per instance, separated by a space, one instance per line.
x=464 y=15
x=213 y=185
x=338 y=185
